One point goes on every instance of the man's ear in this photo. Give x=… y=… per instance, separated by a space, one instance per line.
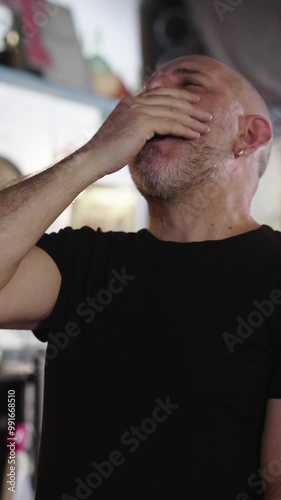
x=255 y=131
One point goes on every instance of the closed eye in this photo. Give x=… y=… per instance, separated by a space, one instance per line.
x=186 y=84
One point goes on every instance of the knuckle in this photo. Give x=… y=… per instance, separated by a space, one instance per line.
x=172 y=110
x=127 y=100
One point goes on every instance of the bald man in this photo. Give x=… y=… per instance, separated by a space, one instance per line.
x=163 y=359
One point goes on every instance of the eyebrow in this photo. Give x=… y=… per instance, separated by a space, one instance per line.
x=189 y=71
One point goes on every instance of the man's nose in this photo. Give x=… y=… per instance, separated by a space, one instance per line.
x=157 y=81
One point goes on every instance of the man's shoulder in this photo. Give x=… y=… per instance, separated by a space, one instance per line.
x=86 y=241
x=272 y=234
x=69 y=232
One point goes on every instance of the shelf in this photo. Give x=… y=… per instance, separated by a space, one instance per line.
x=36 y=83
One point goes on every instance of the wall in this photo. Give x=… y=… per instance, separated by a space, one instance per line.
x=119 y=23
x=266 y=206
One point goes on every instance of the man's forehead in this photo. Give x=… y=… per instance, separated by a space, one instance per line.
x=194 y=63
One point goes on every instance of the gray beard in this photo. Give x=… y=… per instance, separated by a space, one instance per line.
x=186 y=169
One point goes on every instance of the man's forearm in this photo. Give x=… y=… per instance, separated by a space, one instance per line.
x=29 y=207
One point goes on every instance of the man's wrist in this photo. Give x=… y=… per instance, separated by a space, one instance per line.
x=86 y=163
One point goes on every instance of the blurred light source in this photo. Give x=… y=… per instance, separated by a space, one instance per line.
x=13 y=39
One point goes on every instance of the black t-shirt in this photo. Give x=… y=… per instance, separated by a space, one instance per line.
x=160 y=359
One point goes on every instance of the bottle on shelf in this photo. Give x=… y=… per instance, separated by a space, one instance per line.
x=105 y=81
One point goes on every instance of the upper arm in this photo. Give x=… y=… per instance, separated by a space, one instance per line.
x=271 y=449
x=31 y=294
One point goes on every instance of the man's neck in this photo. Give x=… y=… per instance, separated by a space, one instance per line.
x=199 y=230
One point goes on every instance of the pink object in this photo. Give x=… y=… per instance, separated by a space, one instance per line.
x=32 y=14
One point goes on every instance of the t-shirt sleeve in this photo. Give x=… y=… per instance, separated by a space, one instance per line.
x=71 y=250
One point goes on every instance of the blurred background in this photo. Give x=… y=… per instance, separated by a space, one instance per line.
x=64 y=65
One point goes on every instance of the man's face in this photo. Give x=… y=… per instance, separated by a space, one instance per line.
x=170 y=166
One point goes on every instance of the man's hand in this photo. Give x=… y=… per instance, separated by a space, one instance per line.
x=136 y=119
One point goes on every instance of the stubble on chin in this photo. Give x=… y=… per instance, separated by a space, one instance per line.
x=161 y=173
x=171 y=173
x=148 y=170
